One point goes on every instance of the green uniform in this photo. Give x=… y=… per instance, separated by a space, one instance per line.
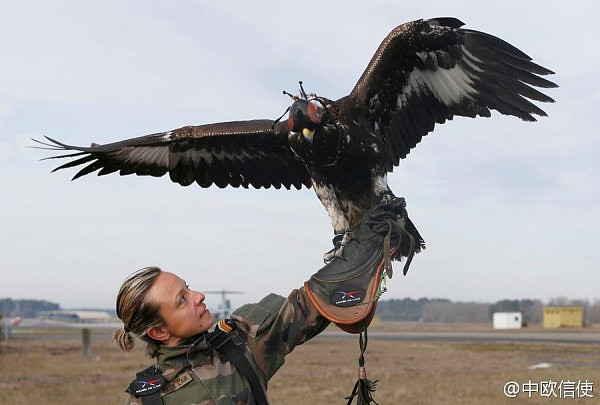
x=267 y=331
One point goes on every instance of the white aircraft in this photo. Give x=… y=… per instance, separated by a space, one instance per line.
x=223 y=310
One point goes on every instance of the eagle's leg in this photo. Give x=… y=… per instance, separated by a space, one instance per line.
x=330 y=200
x=381 y=188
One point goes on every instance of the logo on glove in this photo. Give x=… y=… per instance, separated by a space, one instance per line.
x=347 y=296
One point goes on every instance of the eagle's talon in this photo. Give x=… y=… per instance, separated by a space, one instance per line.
x=386 y=197
x=339 y=241
x=337 y=251
x=328 y=256
x=398 y=205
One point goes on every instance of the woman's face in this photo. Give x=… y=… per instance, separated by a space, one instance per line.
x=183 y=310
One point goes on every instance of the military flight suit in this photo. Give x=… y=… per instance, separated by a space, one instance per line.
x=267 y=331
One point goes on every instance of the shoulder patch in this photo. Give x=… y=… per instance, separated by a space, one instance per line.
x=146 y=385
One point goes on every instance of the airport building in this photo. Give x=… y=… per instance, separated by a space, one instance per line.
x=76 y=316
x=507 y=320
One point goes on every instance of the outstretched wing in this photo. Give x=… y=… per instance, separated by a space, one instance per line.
x=240 y=153
x=425 y=72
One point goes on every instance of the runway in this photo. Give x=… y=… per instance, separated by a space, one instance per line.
x=575 y=336
x=411 y=333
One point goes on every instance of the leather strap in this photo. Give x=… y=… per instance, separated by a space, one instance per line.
x=221 y=342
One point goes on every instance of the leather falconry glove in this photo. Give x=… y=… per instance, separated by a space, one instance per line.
x=346 y=290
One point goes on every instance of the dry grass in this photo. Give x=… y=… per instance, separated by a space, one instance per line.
x=429 y=372
x=53 y=371
x=49 y=369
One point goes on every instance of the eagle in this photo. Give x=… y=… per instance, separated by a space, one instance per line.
x=424 y=73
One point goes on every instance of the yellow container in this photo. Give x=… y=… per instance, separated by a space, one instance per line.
x=559 y=317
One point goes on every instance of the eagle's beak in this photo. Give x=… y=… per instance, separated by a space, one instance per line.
x=308 y=135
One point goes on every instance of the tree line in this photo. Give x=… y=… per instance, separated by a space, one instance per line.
x=445 y=310
x=25 y=308
x=405 y=309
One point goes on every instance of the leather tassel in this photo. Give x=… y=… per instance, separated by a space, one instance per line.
x=363 y=388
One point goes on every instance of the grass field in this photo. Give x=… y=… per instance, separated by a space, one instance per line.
x=47 y=367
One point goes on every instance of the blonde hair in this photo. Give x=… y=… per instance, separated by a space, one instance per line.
x=136 y=312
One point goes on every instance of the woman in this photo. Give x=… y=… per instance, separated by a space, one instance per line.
x=159 y=308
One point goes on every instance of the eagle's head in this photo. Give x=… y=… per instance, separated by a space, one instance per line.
x=305 y=118
x=313 y=134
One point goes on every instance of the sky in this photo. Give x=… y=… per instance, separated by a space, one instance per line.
x=508 y=209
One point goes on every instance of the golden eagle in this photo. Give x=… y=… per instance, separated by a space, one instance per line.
x=423 y=73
